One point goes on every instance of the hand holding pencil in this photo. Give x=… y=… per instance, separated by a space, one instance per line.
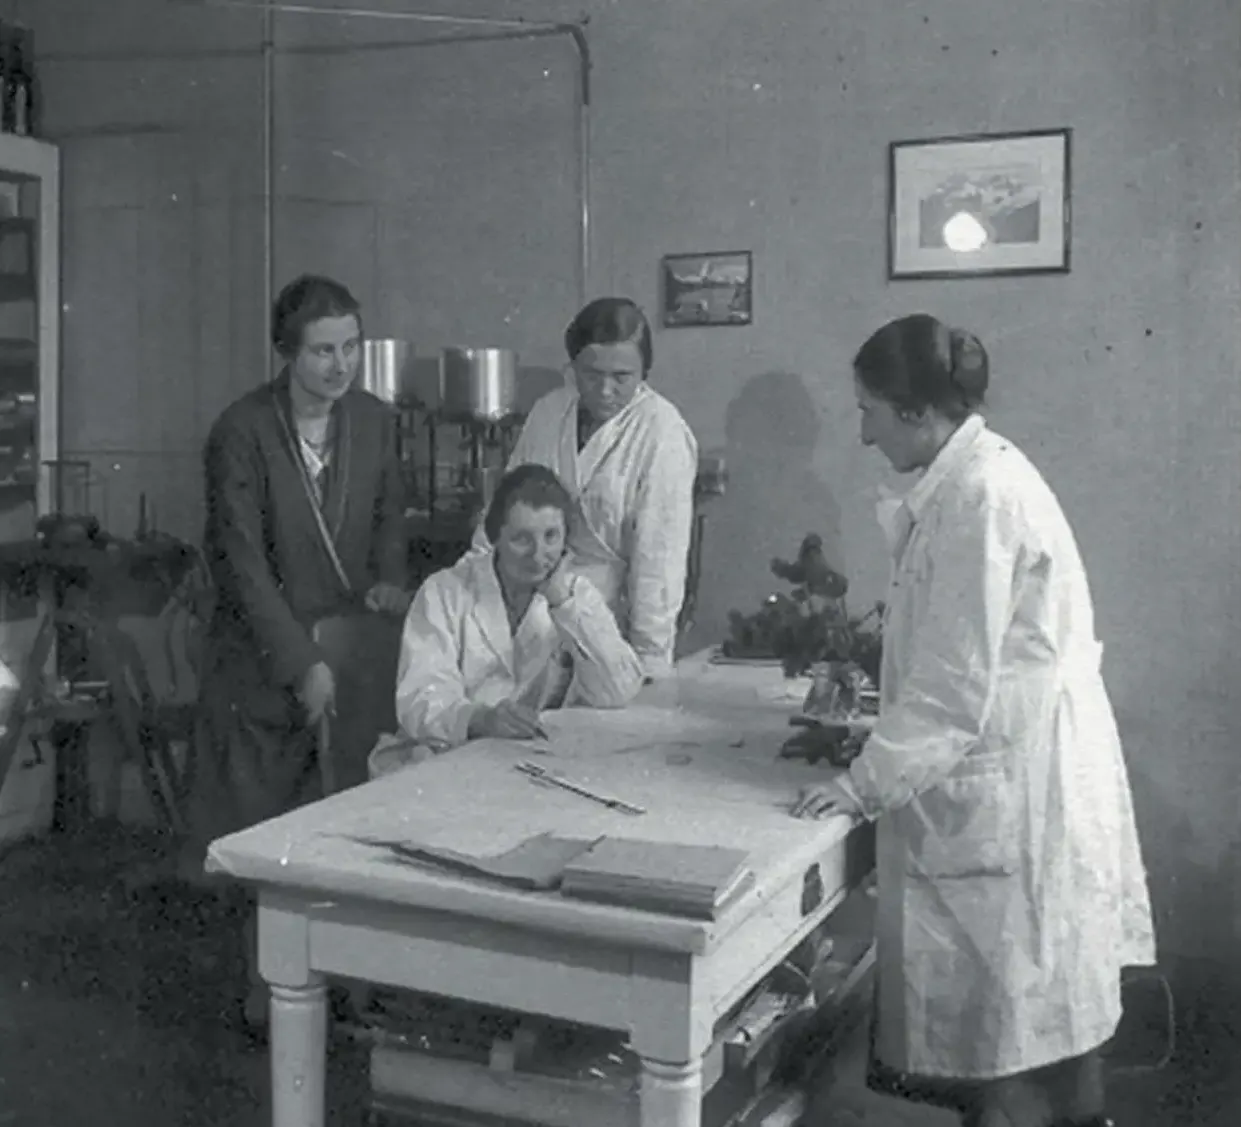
x=508 y=720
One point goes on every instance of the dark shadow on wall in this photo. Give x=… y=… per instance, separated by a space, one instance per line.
x=1196 y=902
x=773 y=499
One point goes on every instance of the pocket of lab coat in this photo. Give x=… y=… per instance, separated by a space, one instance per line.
x=965 y=827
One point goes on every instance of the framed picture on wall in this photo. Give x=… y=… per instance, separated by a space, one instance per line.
x=979 y=206
x=707 y=289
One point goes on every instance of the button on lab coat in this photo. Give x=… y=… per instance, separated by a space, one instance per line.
x=458 y=652
x=1011 y=885
x=633 y=482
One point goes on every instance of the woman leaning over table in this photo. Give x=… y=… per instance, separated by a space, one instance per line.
x=506 y=633
x=629 y=461
x=1010 y=881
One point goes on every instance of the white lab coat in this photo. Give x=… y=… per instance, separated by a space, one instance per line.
x=634 y=484
x=1011 y=889
x=457 y=652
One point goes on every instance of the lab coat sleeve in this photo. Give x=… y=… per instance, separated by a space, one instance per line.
x=606 y=671
x=391 y=540
x=944 y=702
x=658 y=564
x=432 y=705
x=237 y=556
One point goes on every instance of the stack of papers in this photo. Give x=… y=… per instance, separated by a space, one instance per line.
x=536 y=863
x=685 y=880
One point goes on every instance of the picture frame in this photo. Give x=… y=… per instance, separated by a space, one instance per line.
x=708 y=289
x=980 y=205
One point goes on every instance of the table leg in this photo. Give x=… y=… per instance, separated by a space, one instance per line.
x=298 y=1036
x=671 y=1094
x=71 y=809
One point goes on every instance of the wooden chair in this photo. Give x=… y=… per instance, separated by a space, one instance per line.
x=709 y=483
x=693 y=575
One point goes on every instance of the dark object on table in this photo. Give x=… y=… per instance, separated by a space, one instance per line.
x=810 y=625
x=840 y=688
x=59 y=530
x=75 y=551
x=819 y=739
x=811 y=571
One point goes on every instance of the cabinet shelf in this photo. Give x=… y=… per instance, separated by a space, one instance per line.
x=18 y=284
x=14 y=494
x=17 y=287
x=10 y=424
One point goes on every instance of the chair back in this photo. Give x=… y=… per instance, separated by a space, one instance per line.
x=693 y=575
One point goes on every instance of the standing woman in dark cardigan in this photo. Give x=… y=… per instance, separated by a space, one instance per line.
x=305 y=519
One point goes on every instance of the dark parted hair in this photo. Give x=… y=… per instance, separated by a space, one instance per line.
x=610 y=320
x=303 y=301
x=918 y=362
x=536 y=486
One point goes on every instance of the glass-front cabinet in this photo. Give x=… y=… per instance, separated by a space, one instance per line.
x=29 y=333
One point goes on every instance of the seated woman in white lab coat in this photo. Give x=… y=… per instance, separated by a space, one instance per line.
x=1011 y=888
x=629 y=461
x=504 y=634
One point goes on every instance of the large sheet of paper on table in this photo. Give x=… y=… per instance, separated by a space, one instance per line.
x=586 y=732
x=703 y=764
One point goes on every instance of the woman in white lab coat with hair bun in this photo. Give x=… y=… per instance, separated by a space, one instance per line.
x=629 y=460
x=1011 y=889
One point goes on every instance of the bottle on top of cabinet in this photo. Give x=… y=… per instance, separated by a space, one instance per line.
x=19 y=91
x=19 y=105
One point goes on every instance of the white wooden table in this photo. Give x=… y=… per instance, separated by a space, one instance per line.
x=330 y=906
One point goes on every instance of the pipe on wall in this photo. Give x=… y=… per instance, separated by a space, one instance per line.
x=268 y=50
x=500 y=29
x=268 y=102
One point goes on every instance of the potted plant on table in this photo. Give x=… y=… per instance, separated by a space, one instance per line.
x=809 y=629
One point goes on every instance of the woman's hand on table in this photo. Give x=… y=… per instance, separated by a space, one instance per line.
x=387 y=598
x=826 y=800
x=507 y=720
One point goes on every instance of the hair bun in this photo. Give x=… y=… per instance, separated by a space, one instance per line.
x=969 y=362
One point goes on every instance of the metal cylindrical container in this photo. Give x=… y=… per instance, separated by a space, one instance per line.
x=478 y=383
x=387 y=370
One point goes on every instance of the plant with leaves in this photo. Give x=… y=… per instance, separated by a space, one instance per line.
x=810 y=625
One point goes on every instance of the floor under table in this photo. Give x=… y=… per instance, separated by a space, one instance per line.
x=113 y=1012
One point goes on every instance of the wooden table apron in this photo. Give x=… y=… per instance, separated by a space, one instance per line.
x=331 y=906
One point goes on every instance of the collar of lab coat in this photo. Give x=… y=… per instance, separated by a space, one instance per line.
x=588 y=459
x=489 y=612
x=950 y=457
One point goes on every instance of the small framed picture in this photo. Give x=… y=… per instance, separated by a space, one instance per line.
x=979 y=206
x=708 y=289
